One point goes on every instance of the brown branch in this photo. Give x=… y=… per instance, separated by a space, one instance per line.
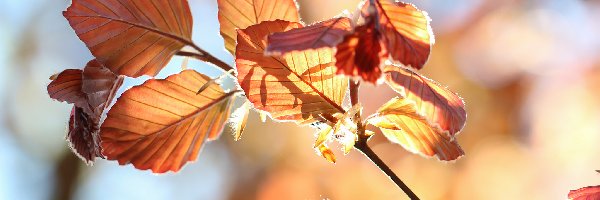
x=206 y=57
x=354 y=86
x=363 y=147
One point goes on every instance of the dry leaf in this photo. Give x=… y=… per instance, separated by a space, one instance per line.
x=162 y=124
x=135 y=37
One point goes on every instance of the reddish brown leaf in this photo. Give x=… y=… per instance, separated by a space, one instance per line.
x=323 y=34
x=405 y=30
x=83 y=135
x=133 y=37
x=91 y=90
x=400 y=123
x=66 y=87
x=162 y=124
x=298 y=86
x=361 y=54
x=586 y=193
x=440 y=106
x=235 y=15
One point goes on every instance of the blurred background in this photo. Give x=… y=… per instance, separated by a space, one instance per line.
x=529 y=71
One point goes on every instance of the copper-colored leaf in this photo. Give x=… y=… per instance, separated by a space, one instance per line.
x=324 y=34
x=162 y=124
x=133 y=37
x=400 y=123
x=298 y=86
x=66 y=87
x=586 y=193
x=440 y=106
x=90 y=90
x=361 y=54
x=405 y=30
x=83 y=135
x=235 y=15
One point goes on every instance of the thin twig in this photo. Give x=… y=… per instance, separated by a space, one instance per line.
x=206 y=57
x=363 y=147
x=354 y=85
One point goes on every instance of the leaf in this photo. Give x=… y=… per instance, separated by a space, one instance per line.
x=162 y=124
x=323 y=34
x=298 y=86
x=133 y=37
x=326 y=153
x=323 y=135
x=400 y=123
x=83 y=136
x=235 y=15
x=586 y=193
x=406 y=32
x=361 y=54
x=239 y=118
x=91 y=91
x=440 y=106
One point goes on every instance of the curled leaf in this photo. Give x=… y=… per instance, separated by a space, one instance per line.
x=400 y=122
x=298 y=86
x=239 y=118
x=440 y=106
x=83 y=136
x=323 y=34
x=134 y=37
x=361 y=54
x=405 y=31
x=162 y=124
x=235 y=15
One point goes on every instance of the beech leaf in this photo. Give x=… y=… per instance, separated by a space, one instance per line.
x=323 y=34
x=361 y=54
x=440 y=106
x=298 y=86
x=239 y=118
x=405 y=31
x=133 y=37
x=400 y=122
x=90 y=90
x=235 y=15
x=162 y=124
x=586 y=193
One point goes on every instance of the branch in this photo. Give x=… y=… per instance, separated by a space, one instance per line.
x=206 y=57
x=363 y=147
x=354 y=85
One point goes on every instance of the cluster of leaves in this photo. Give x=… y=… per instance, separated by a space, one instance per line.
x=285 y=69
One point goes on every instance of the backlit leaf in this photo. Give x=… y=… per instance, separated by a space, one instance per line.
x=66 y=87
x=162 y=124
x=323 y=135
x=326 y=153
x=298 y=86
x=239 y=118
x=405 y=31
x=100 y=86
x=132 y=37
x=235 y=15
x=361 y=54
x=323 y=34
x=400 y=123
x=586 y=193
x=440 y=106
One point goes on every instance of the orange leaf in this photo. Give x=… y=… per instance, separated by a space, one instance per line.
x=298 y=86
x=400 y=123
x=440 y=106
x=235 y=15
x=91 y=90
x=326 y=153
x=586 y=193
x=134 y=37
x=361 y=54
x=323 y=34
x=406 y=32
x=162 y=124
